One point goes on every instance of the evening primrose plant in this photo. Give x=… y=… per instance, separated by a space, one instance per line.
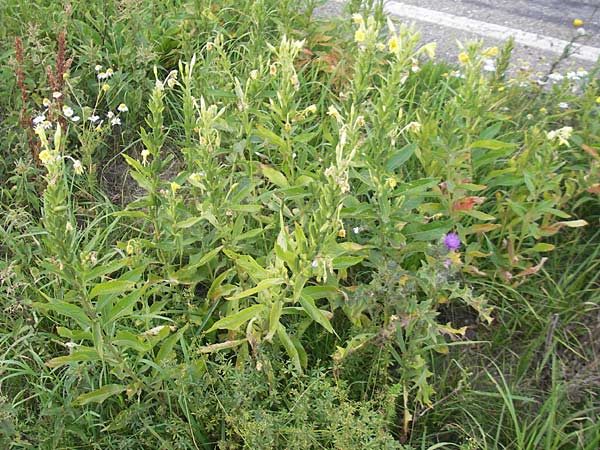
x=318 y=214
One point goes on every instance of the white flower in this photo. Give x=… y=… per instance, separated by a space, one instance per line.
x=356 y=230
x=122 y=107
x=46 y=102
x=145 y=154
x=67 y=110
x=77 y=167
x=315 y=263
x=555 y=77
x=581 y=31
x=47 y=124
x=254 y=74
x=39 y=119
x=98 y=68
x=94 y=118
x=572 y=76
x=75 y=118
x=489 y=65
x=115 y=121
x=562 y=135
x=582 y=73
x=563 y=105
x=110 y=114
x=102 y=76
x=109 y=72
x=56 y=95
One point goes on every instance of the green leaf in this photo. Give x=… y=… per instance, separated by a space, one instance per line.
x=124 y=306
x=343 y=262
x=127 y=339
x=315 y=313
x=274 y=176
x=289 y=346
x=80 y=355
x=167 y=348
x=99 y=395
x=234 y=321
x=187 y=223
x=479 y=215
x=400 y=156
x=104 y=269
x=262 y=286
x=540 y=247
x=269 y=136
x=111 y=287
x=66 y=309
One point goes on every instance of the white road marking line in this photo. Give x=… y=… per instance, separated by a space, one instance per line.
x=547 y=43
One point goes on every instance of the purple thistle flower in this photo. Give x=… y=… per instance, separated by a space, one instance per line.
x=452 y=241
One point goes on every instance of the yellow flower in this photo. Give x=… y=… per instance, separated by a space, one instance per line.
x=342 y=233
x=543 y=110
x=391 y=183
x=45 y=156
x=598 y=100
x=393 y=44
x=273 y=69
x=313 y=108
x=105 y=87
x=360 y=35
x=490 y=52
x=175 y=187
x=430 y=49
x=577 y=23
x=463 y=58
x=357 y=19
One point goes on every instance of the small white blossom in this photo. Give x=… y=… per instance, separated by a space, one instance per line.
x=110 y=114
x=556 y=77
x=356 y=230
x=563 y=105
x=56 y=95
x=582 y=73
x=115 y=121
x=39 y=119
x=122 y=107
x=102 y=76
x=67 y=110
x=77 y=167
x=562 y=135
x=489 y=65
x=75 y=118
x=98 y=68
x=581 y=31
x=94 y=118
x=572 y=76
x=46 y=102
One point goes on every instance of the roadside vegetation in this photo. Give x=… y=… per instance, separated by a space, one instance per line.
x=239 y=225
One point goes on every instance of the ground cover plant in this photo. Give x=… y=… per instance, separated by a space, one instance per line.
x=239 y=225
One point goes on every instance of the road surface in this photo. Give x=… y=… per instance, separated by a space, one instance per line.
x=541 y=28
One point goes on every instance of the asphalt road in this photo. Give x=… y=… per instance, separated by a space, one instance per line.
x=541 y=27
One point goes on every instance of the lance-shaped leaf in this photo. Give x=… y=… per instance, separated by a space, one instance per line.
x=234 y=321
